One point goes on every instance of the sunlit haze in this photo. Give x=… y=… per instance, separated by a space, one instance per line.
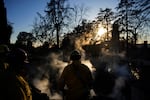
x=101 y=31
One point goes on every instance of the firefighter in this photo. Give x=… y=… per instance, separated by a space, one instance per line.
x=76 y=79
x=13 y=84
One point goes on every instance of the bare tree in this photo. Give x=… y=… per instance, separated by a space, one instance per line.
x=42 y=30
x=79 y=14
x=134 y=18
x=52 y=24
x=58 y=14
x=142 y=15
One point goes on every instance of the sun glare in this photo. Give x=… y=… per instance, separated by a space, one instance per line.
x=101 y=31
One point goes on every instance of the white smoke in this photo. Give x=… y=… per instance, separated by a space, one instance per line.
x=56 y=61
x=46 y=73
x=55 y=66
x=118 y=65
x=43 y=85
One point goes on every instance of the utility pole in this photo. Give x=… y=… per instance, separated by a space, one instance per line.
x=107 y=29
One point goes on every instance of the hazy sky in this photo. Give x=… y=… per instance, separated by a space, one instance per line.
x=23 y=12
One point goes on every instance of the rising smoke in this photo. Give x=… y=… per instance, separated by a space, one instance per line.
x=47 y=72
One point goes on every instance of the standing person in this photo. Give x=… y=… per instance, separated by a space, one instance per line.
x=13 y=85
x=77 y=78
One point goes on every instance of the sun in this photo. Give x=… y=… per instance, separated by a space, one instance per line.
x=101 y=31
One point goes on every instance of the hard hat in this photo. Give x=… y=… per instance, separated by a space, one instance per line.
x=18 y=55
x=75 y=55
x=4 y=48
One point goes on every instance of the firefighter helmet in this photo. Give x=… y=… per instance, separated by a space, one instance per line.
x=75 y=55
